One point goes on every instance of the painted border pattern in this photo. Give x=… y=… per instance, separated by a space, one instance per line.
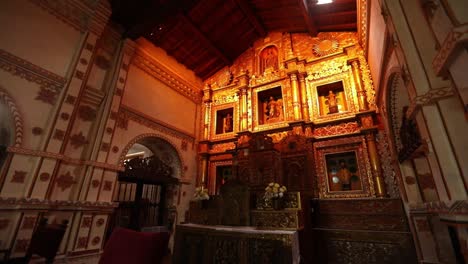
x=64 y=158
x=30 y=72
x=18 y=120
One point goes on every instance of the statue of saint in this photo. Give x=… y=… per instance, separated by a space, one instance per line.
x=332 y=102
x=272 y=110
x=227 y=124
x=345 y=176
x=269 y=59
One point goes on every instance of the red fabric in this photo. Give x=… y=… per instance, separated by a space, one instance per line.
x=128 y=246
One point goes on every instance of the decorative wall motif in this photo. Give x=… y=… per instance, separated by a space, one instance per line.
x=65 y=181
x=386 y=161
x=18 y=176
x=87 y=113
x=82 y=242
x=328 y=68
x=59 y=134
x=81 y=15
x=107 y=186
x=340 y=129
x=96 y=240
x=37 y=131
x=46 y=80
x=78 y=140
x=86 y=222
x=19 y=203
x=100 y=222
x=47 y=95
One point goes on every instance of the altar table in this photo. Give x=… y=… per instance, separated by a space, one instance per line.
x=203 y=244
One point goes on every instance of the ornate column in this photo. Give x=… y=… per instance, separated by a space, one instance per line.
x=362 y=98
x=204 y=170
x=207 y=111
x=379 y=182
x=243 y=85
x=303 y=88
x=295 y=96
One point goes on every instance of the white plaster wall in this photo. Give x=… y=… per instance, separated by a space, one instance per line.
x=377 y=32
x=150 y=96
x=31 y=33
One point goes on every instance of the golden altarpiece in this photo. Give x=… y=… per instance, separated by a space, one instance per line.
x=300 y=111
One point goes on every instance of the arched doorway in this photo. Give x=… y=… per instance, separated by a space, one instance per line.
x=152 y=169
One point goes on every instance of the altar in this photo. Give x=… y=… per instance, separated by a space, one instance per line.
x=199 y=244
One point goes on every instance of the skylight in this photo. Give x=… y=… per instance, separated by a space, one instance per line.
x=322 y=2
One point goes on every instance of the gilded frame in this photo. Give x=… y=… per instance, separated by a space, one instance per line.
x=350 y=95
x=235 y=120
x=356 y=144
x=256 y=126
x=212 y=173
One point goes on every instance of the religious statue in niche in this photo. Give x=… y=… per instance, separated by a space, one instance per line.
x=332 y=98
x=273 y=110
x=227 y=123
x=343 y=172
x=332 y=102
x=224 y=121
x=269 y=59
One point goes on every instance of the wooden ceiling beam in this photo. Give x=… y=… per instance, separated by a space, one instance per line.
x=337 y=14
x=252 y=17
x=311 y=27
x=204 y=39
x=338 y=27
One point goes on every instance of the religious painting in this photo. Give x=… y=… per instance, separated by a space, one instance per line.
x=343 y=172
x=332 y=99
x=224 y=121
x=343 y=168
x=269 y=59
x=270 y=106
x=219 y=173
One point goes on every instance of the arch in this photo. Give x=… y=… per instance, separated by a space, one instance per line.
x=396 y=98
x=150 y=140
x=16 y=115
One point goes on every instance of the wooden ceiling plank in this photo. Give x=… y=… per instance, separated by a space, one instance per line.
x=252 y=17
x=205 y=40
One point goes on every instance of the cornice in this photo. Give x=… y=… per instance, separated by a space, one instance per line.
x=148 y=64
x=128 y=113
x=30 y=72
x=35 y=204
x=83 y=15
x=455 y=40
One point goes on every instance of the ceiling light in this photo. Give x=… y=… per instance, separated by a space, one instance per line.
x=321 y=2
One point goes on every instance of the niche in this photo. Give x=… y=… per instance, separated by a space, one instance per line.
x=224 y=121
x=343 y=172
x=332 y=99
x=223 y=173
x=270 y=106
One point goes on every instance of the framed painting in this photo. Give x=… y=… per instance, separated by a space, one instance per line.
x=343 y=168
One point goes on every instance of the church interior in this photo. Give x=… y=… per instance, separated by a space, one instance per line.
x=233 y=131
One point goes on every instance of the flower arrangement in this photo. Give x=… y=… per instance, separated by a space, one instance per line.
x=201 y=193
x=274 y=191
